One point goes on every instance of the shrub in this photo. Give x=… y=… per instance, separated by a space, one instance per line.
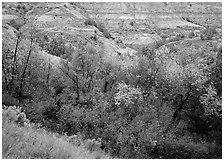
x=11 y=114
x=92 y=145
x=132 y=23
x=14 y=114
x=191 y=35
x=75 y=140
x=22 y=120
x=146 y=50
x=99 y=26
x=91 y=22
x=104 y=31
x=208 y=33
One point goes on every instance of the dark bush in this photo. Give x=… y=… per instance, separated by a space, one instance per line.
x=91 y=22
x=132 y=23
x=18 y=7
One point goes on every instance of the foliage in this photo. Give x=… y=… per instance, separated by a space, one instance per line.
x=8 y=64
x=127 y=94
x=211 y=102
x=181 y=77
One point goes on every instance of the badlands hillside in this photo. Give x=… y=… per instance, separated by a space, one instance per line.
x=131 y=25
x=145 y=78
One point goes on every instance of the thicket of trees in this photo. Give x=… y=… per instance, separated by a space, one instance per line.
x=169 y=106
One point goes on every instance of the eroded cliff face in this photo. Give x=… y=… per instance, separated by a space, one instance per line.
x=201 y=13
x=132 y=25
x=142 y=23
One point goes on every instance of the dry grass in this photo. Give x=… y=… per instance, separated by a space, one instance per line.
x=28 y=143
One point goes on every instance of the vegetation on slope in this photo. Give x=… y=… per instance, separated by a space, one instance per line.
x=33 y=142
x=167 y=105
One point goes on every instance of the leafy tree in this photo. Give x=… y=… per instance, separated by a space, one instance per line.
x=211 y=102
x=181 y=78
x=126 y=94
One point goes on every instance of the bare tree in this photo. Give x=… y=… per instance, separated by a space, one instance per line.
x=22 y=78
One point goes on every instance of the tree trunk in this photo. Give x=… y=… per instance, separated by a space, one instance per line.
x=14 y=59
x=24 y=71
x=73 y=77
x=175 y=118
